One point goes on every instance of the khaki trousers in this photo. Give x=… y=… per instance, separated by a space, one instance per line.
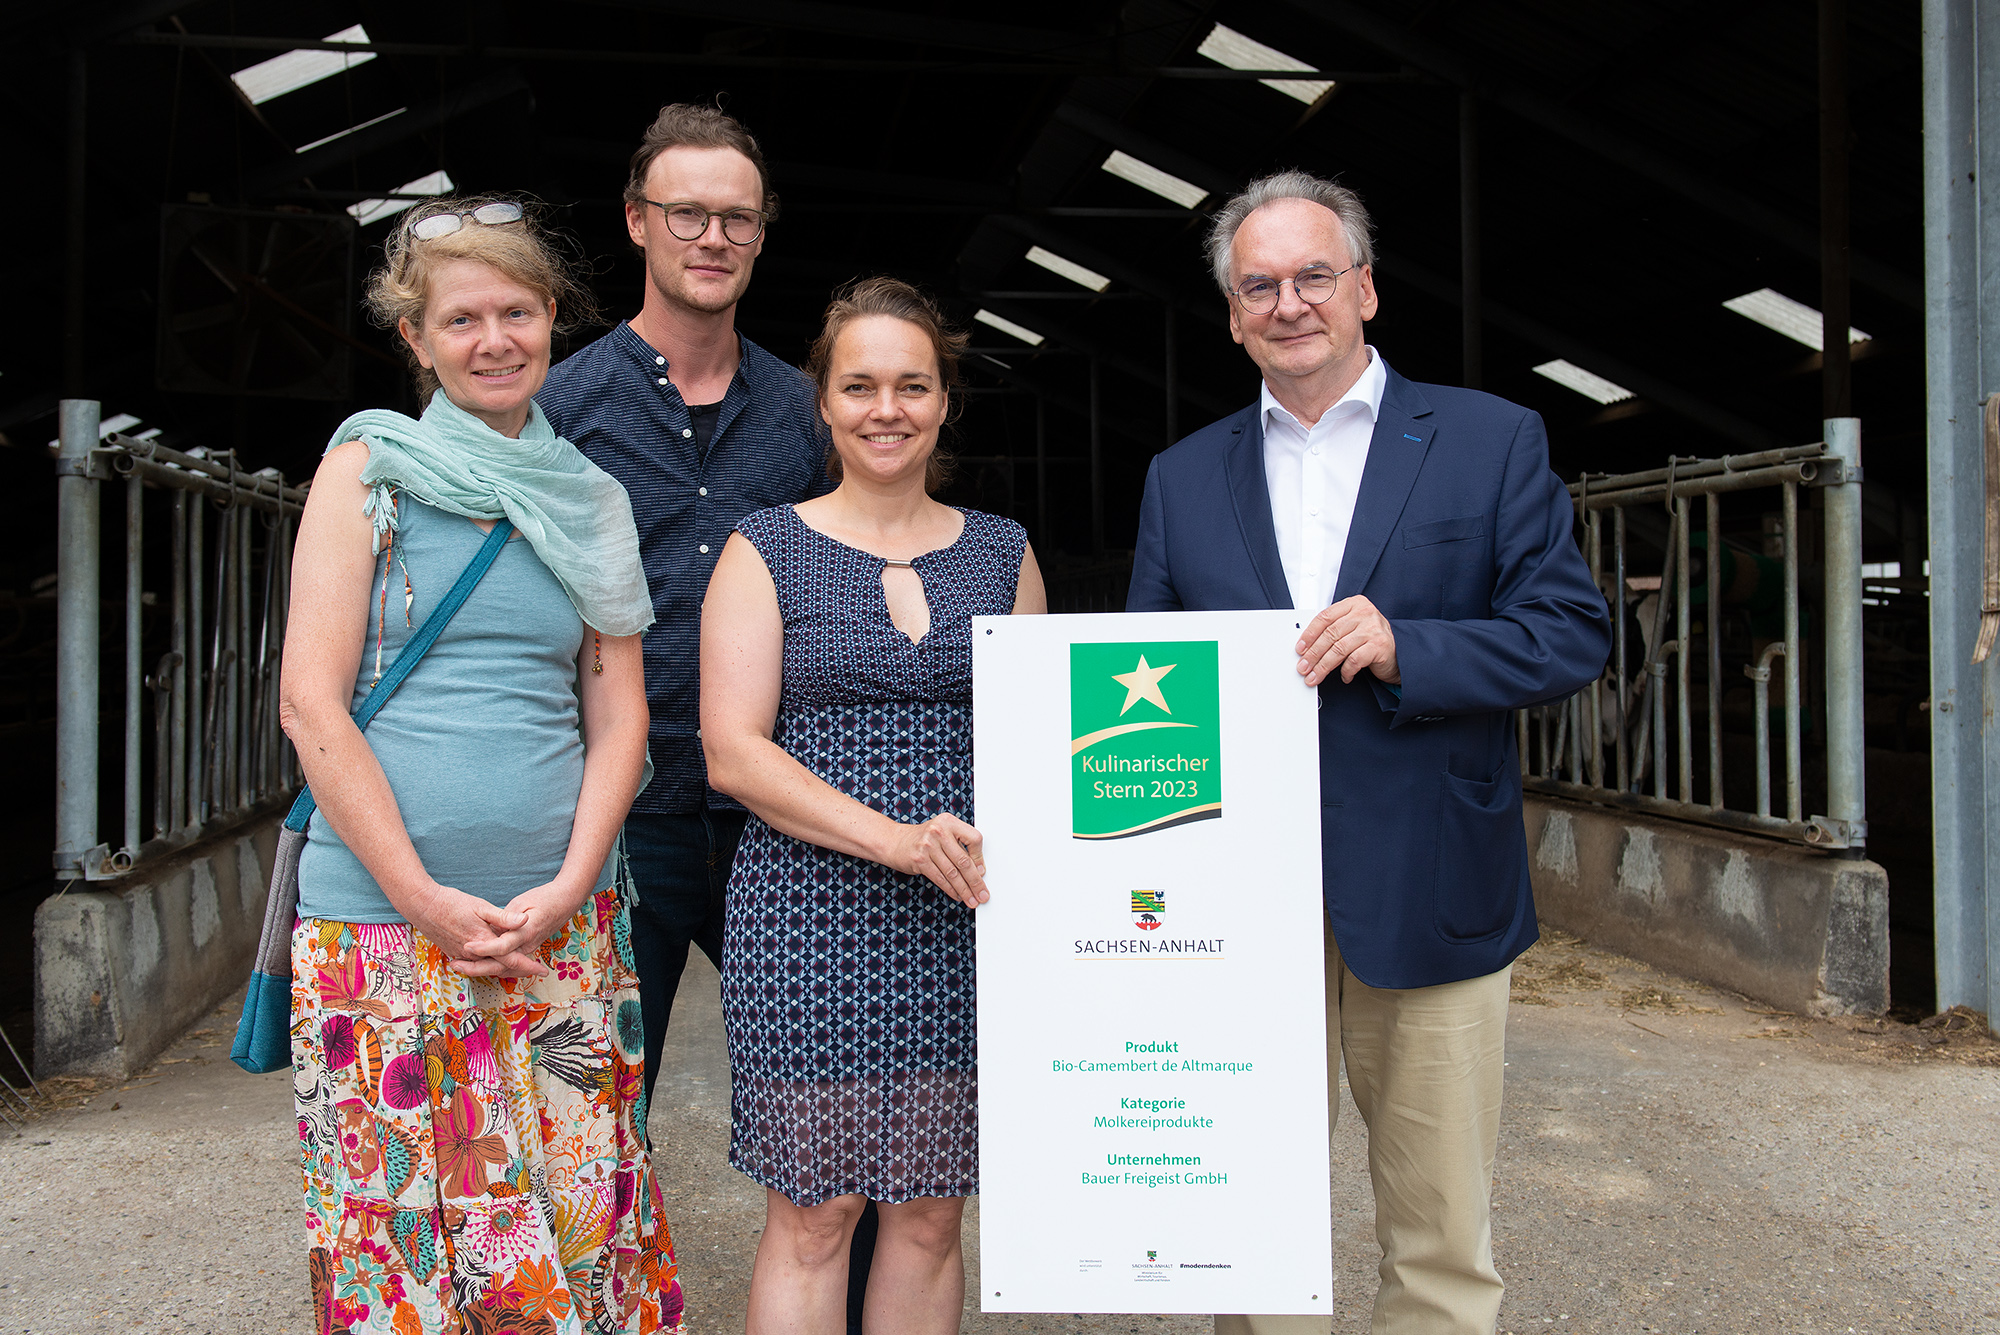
x=1424 y=1065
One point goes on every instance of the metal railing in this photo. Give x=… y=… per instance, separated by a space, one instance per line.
x=1609 y=741
x=214 y=755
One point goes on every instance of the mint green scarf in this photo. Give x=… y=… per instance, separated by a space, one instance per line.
x=574 y=514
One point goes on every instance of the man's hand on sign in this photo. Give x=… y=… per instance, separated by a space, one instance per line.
x=1350 y=636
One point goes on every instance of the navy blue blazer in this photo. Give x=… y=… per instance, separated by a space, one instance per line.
x=1462 y=538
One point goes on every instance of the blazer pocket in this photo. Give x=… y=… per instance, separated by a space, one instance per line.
x=1481 y=849
x=1444 y=530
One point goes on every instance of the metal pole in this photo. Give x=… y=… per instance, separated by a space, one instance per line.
x=239 y=644
x=245 y=672
x=1173 y=375
x=76 y=261
x=1621 y=740
x=1576 y=716
x=1096 y=467
x=177 y=728
x=1961 y=147
x=1593 y=527
x=1714 y=623
x=1836 y=397
x=1471 y=325
x=135 y=667
x=77 y=601
x=1656 y=670
x=1683 y=626
x=1760 y=675
x=197 y=692
x=1794 y=808
x=1846 y=789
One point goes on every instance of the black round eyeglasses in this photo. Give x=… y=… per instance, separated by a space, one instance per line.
x=1315 y=284
x=689 y=222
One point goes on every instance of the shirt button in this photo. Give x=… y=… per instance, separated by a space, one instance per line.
x=702 y=490
x=686 y=431
x=663 y=380
x=659 y=361
x=704 y=549
x=1315 y=449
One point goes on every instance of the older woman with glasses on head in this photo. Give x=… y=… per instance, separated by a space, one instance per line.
x=466 y=1034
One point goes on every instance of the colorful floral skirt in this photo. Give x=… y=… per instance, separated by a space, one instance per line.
x=473 y=1148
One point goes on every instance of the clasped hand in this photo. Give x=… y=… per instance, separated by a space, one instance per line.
x=1349 y=636
x=483 y=940
x=947 y=851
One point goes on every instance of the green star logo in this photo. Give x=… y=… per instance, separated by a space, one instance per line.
x=1145 y=750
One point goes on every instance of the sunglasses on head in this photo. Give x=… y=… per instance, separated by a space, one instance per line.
x=435 y=225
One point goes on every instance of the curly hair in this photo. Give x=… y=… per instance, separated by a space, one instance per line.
x=526 y=252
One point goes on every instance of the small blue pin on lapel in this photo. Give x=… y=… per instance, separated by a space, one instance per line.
x=1408 y=436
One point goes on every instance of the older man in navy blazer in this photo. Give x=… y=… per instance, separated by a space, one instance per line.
x=1422 y=528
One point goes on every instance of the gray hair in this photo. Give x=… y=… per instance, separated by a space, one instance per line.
x=1294 y=184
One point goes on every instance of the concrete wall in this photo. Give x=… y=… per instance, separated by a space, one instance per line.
x=120 y=971
x=1804 y=931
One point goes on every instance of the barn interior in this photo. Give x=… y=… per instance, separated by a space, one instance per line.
x=1633 y=218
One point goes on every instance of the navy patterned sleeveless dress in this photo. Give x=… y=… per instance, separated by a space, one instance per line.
x=847 y=988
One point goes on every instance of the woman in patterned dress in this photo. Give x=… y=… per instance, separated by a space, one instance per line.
x=466 y=1035
x=837 y=706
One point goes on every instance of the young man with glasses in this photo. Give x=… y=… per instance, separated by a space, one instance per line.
x=1420 y=529
x=702 y=426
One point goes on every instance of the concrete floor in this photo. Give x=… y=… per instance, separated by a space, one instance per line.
x=1672 y=1159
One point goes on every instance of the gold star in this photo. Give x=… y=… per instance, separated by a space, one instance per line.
x=1143 y=683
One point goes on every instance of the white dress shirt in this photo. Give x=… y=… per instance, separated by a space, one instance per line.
x=1314 y=474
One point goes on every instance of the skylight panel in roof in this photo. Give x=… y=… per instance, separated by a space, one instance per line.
x=1574 y=377
x=1794 y=319
x=1148 y=177
x=1008 y=327
x=342 y=134
x=1069 y=269
x=1226 y=46
x=295 y=69
x=374 y=210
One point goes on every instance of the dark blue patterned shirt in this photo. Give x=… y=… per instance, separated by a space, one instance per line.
x=614 y=401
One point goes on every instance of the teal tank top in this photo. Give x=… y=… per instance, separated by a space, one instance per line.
x=480 y=743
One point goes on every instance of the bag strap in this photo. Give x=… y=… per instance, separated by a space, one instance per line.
x=418 y=644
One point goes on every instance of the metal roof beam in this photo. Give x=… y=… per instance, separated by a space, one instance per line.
x=447 y=106
x=1591 y=133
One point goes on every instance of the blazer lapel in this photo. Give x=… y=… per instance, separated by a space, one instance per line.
x=1395 y=454
x=1251 y=497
